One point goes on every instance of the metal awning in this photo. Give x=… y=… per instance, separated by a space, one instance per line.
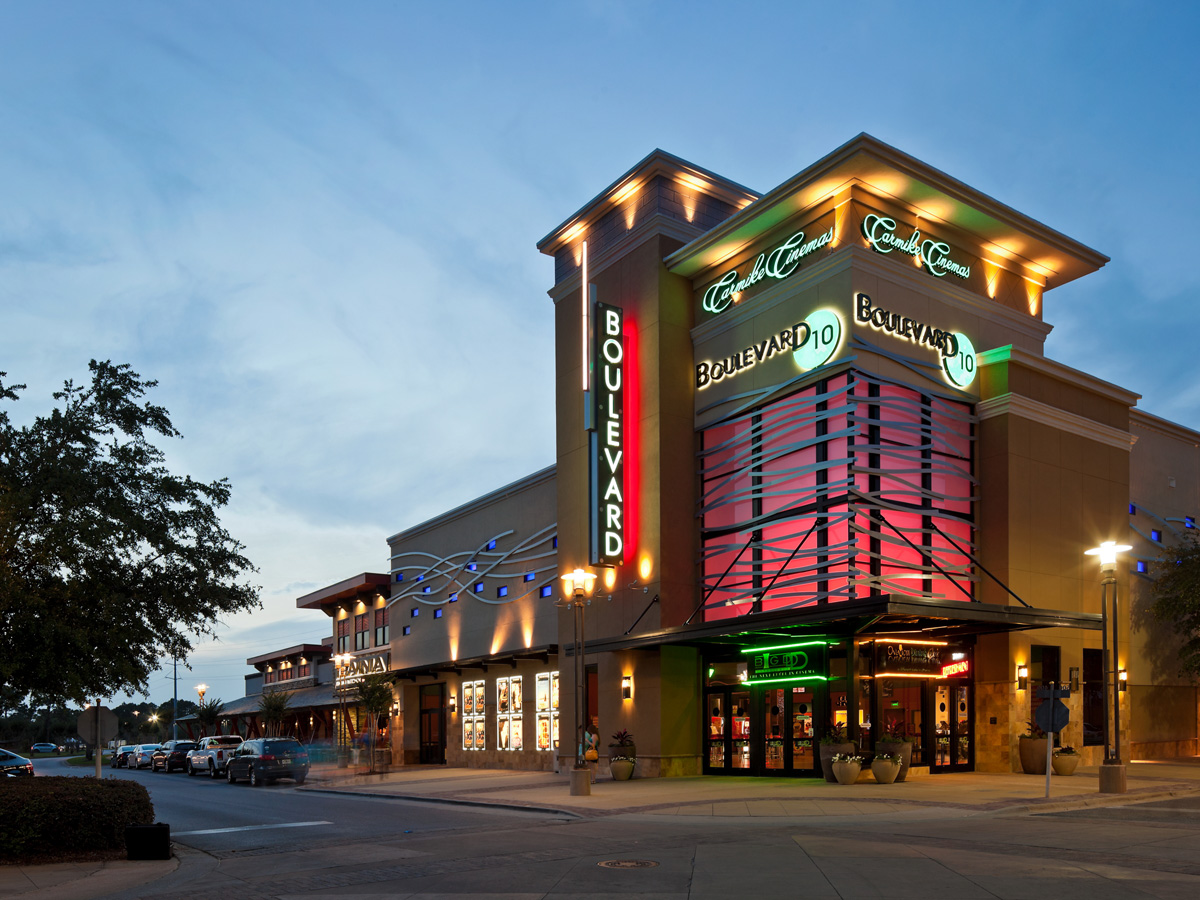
x=874 y=617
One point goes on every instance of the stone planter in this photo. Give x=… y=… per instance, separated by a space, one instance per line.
x=846 y=772
x=621 y=769
x=1033 y=755
x=828 y=751
x=1064 y=765
x=891 y=748
x=885 y=771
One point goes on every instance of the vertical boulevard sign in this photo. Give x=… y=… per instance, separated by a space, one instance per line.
x=606 y=443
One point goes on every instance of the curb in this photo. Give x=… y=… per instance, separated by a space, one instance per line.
x=1100 y=801
x=482 y=804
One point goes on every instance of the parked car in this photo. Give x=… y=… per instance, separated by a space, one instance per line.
x=171 y=755
x=44 y=748
x=142 y=756
x=263 y=760
x=120 y=756
x=12 y=766
x=211 y=754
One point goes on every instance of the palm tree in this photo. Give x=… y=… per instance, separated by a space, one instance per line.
x=274 y=707
x=208 y=713
x=375 y=695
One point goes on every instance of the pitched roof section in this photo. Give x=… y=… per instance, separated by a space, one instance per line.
x=890 y=173
x=657 y=164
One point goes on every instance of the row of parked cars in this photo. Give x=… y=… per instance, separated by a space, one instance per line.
x=228 y=756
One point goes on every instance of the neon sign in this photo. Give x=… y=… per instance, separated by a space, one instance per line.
x=956 y=349
x=955 y=668
x=934 y=255
x=606 y=443
x=811 y=342
x=779 y=263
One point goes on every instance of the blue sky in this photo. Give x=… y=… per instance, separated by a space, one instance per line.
x=314 y=223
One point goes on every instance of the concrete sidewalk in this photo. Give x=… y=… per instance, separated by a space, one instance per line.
x=961 y=794
x=969 y=792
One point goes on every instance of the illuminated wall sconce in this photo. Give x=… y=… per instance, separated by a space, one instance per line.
x=1122 y=680
x=1022 y=678
x=453 y=707
x=626 y=687
x=1074 y=670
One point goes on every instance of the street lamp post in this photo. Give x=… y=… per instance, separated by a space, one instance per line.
x=1112 y=772
x=578 y=585
x=342 y=661
x=200 y=689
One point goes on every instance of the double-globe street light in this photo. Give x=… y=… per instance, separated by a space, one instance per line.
x=1112 y=772
x=578 y=585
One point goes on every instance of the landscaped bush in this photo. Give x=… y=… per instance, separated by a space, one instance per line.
x=57 y=814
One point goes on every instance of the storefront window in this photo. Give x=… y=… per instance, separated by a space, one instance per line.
x=546 y=702
x=474 y=721
x=509 y=713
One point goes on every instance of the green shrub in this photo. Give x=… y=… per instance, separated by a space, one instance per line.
x=57 y=814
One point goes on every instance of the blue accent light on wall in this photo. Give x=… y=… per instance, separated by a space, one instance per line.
x=454 y=597
x=420 y=578
x=1142 y=567
x=408 y=629
x=502 y=591
x=1155 y=535
x=426 y=589
x=545 y=591
x=479 y=587
x=471 y=567
x=399 y=576
x=1189 y=522
x=1133 y=509
x=491 y=545
x=555 y=542
x=415 y=612
x=437 y=613
x=529 y=576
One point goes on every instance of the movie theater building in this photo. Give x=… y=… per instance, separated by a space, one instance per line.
x=812 y=443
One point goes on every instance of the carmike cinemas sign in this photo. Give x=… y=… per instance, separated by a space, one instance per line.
x=606 y=443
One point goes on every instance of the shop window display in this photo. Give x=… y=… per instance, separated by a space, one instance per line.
x=546 y=702
x=510 y=714
x=474 y=719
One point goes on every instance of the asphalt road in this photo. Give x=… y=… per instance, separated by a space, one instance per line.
x=374 y=848
x=220 y=818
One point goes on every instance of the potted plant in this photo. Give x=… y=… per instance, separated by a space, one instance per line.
x=1031 y=747
x=886 y=767
x=1065 y=760
x=622 y=754
x=832 y=743
x=846 y=767
x=898 y=742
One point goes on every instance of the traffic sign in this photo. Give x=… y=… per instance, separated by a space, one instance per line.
x=1052 y=716
x=87 y=725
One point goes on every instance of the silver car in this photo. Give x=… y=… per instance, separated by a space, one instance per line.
x=142 y=756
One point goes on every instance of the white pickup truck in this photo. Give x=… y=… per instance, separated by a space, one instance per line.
x=212 y=754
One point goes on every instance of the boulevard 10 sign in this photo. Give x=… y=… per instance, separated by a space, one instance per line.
x=606 y=442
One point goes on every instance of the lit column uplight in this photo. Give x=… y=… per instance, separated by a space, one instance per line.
x=583 y=299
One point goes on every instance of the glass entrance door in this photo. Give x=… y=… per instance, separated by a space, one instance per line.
x=952 y=718
x=433 y=725
x=760 y=730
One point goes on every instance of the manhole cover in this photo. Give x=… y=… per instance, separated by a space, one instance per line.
x=628 y=863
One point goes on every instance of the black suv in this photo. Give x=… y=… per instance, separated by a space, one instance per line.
x=263 y=760
x=171 y=755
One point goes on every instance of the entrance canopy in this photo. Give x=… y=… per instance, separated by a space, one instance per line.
x=878 y=617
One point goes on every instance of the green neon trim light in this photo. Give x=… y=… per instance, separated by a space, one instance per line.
x=782 y=680
x=790 y=646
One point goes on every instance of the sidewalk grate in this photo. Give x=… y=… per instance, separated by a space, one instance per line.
x=627 y=864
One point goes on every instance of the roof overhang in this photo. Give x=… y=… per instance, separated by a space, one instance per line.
x=509 y=659
x=305 y=650
x=366 y=584
x=887 y=172
x=878 y=617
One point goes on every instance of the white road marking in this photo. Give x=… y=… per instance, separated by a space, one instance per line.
x=251 y=828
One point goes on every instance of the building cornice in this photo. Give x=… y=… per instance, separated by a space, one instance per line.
x=1139 y=418
x=1056 y=370
x=1052 y=416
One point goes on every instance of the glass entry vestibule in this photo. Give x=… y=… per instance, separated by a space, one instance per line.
x=756 y=724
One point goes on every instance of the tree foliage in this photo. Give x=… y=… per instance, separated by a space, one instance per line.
x=208 y=713
x=374 y=693
x=1176 y=591
x=108 y=561
x=274 y=707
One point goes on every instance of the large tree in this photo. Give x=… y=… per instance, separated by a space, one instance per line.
x=1177 y=598
x=108 y=561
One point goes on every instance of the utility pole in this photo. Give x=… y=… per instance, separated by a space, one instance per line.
x=175 y=701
